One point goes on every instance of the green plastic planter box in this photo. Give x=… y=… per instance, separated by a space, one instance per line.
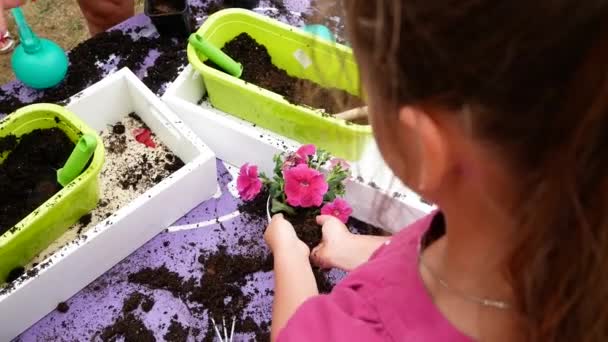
x=49 y=221
x=302 y=55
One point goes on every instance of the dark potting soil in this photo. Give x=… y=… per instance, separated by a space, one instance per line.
x=15 y=273
x=248 y=4
x=160 y=279
x=85 y=219
x=128 y=327
x=211 y=6
x=136 y=300
x=307 y=230
x=218 y=291
x=8 y=143
x=63 y=307
x=259 y=70
x=28 y=175
x=166 y=6
x=176 y=332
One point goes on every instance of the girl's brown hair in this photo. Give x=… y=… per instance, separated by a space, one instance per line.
x=533 y=77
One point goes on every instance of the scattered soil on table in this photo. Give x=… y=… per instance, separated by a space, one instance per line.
x=160 y=279
x=211 y=6
x=259 y=70
x=165 y=6
x=218 y=291
x=87 y=58
x=28 y=176
x=136 y=300
x=248 y=4
x=130 y=169
x=220 y=287
x=130 y=327
x=63 y=307
x=176 y=332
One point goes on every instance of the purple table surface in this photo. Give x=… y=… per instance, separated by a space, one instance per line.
x=99 y=304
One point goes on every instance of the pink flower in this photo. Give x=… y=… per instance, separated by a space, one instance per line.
x=304 y=187
x=291 y=161
x=248 y=183
x=306 y=151
x=299 y=157
x=337 y=161
x=339 y=209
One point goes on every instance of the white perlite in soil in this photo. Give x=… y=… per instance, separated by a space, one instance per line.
x=130 y=169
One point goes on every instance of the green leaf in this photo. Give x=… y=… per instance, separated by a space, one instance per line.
x=330 y=196
x=278 y=207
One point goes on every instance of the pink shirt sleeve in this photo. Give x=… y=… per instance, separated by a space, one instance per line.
x=343 y=315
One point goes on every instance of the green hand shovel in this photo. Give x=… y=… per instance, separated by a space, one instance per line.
x=216 y=55
x=83 y=151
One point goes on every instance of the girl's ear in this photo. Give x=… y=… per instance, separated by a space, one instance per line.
x=432 y=148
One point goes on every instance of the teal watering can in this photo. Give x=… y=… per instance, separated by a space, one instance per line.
x=37 y=62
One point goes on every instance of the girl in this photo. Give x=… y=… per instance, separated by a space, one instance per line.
x=498 y=112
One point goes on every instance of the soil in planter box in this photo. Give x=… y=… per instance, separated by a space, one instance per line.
x=130 y=169
x=28 y=176
x=259 y=70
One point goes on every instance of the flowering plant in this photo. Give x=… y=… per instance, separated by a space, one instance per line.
x=298 y=183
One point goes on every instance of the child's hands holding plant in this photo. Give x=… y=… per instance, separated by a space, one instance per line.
x=342 y=249
x=282 y=239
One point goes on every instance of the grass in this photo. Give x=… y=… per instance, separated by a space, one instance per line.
x=58 y=20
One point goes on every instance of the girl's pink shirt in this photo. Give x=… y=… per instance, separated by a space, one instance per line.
x=382 y=300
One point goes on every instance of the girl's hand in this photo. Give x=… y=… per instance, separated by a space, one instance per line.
x=342 y=249
x=333 y=250
x=281 y=238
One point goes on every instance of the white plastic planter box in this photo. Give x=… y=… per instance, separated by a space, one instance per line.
x=78 y=264
x=236 y=142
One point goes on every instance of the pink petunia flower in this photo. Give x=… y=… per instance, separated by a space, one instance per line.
x=337 y=161
x=339 y=209
x=304 y=187
x=306 y=151
x=248 y=183
x=291 y=161
x=299 y=157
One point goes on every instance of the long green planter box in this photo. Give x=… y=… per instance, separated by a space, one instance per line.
x=49 y=221
x=302 y=55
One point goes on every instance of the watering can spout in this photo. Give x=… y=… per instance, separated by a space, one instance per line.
x=29 y=40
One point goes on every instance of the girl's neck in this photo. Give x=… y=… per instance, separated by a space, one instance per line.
x=474 y=250
x=470 y=257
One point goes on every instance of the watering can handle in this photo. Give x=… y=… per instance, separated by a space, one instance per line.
x=30 y=41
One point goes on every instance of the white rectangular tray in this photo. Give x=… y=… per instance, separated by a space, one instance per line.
x=76 y=265
x=372 y=189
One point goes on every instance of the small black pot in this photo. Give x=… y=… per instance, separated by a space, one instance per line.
x=248 y=4
x=169 y=16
